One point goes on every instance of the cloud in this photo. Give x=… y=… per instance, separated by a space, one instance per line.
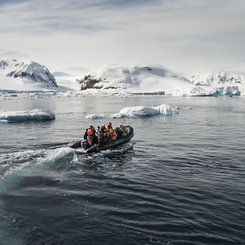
x=8 y=1
x=170 y=18
x=13 y=54
x=176 y=33
x=40 y=16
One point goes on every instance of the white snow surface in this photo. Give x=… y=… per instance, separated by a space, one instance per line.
x=35 y=115
x=138 y=111
x=140 y=78
x=68 y=82
x=25 y=76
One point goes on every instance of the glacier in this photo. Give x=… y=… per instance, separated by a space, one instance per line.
x=138 y=111
x=218 y=83
x=35 y=115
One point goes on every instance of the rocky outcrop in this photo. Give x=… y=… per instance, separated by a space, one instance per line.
x=90 y=82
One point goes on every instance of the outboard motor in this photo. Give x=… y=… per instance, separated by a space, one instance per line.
x=85 y=144
x=75 y=145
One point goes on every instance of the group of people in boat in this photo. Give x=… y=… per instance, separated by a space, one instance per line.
x=102 y=135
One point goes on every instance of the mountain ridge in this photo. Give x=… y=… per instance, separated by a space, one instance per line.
x=131 y=78
x=26 y=72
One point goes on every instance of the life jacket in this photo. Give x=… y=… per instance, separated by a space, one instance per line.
x=113 y=135
x=90 y=132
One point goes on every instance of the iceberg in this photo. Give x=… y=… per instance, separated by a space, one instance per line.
x=138 y=111
x=143 y=111
x=35 y=115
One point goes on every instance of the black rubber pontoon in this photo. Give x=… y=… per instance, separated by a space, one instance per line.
x=127 y=132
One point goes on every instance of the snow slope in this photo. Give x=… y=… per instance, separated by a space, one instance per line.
x=137 y=78
x=68 y=81
x=25 y=76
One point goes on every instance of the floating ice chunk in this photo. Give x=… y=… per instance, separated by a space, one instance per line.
x=142 y=111
x=138 y=111
x=96 y=116
x=35 y=115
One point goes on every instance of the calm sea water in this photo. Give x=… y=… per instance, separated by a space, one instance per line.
x=180 y=181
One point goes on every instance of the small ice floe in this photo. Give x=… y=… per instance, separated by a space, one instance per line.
x=96 y=116
x=35 y=115
x=138 y=111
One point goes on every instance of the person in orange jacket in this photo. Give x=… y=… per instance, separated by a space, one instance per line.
x=109 y=127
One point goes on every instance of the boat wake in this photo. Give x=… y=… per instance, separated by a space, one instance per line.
x=15 y=166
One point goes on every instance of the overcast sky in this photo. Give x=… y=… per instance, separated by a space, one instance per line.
x=183 y=35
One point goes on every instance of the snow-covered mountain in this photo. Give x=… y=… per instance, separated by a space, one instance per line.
x=25 y=76
x=122 y=79
x=219 y=83
x=137 y=78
